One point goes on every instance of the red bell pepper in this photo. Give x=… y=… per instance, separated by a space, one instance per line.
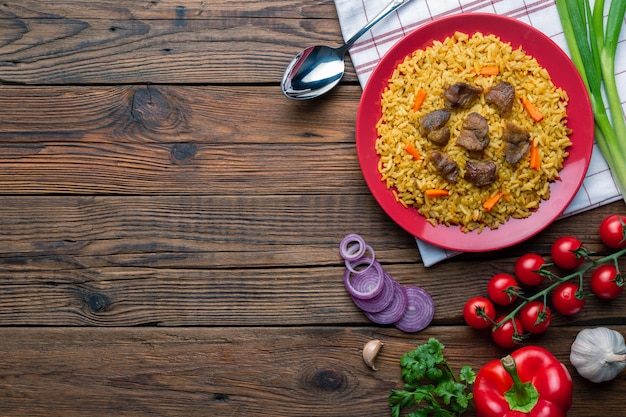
x=528 y=382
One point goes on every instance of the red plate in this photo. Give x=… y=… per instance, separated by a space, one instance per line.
x=580 y=120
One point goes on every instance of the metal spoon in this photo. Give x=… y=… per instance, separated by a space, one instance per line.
x=317 y=69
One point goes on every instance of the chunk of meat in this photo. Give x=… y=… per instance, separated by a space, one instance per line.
x=470 y=141
x=477 y=123
x=445 y=165
x=439 y=137
x=473 y=136
x=517 y=142
x=502 y=96
x=434 y=120
x=461 y=95
x=480 y=173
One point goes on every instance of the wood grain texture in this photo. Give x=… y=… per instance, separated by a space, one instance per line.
x=191 y=262
x=289 y=226
x=149 y=114
x=174 y=140
x=225 y=372
x=169 y=223
x=251 y=297
x=197 y=42
x=301 y=10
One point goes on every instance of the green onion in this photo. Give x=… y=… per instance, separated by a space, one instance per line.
x=592 y=47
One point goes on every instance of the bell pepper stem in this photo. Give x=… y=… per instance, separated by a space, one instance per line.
x=521 y=393
x=521 y=396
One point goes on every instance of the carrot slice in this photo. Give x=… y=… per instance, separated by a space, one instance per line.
x=530 y=108
x=436 y=193
x=535 y=158
x=414 y=152
x=491 y=201
x=490 y=70
x=420 y=96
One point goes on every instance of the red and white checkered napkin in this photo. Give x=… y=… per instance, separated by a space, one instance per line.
x=598 y=186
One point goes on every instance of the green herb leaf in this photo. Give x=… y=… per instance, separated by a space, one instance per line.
x=467 y=374
x=431 y=388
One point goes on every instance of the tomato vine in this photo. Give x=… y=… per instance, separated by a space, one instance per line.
x=532 y=315
x=557 y=280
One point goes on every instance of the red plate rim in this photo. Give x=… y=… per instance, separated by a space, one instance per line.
x=580 y=120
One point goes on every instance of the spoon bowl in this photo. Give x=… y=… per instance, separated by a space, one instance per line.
x=313 y=72
x=318 y=69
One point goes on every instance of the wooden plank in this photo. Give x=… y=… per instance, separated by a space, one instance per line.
x=127 y=261
x=168 y=9
x=170 y=140
x=174 y=114
x=235 y=371
x=193 y=43
x=179 y=168
x=114 y=230
x=76 y=232
x=125 y=296
x=66 y=232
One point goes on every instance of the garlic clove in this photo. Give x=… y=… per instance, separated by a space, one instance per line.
x=370 y=351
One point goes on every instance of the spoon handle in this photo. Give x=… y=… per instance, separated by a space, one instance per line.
x=395 y=4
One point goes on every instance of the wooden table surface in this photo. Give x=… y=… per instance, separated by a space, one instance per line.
x=170 y=223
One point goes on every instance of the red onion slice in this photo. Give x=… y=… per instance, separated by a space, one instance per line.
x=354 y=265
x=381 y=301
x=395 y=310
x=419 y=312
x=352 y=247
x=365 y=284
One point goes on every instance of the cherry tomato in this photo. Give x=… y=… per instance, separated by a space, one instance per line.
x=565 y=252
x=525 y=268
x=497 y=286
x=507 y=335
x=605 y=282
x=612 y=231
x=565 y=300
x=535 y=317
x=479 y=312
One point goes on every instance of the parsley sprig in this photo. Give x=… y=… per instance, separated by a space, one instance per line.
x=431 y=387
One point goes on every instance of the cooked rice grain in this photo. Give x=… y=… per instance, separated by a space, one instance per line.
x=459 y=59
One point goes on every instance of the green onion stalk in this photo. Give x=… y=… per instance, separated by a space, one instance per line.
x=592 y=47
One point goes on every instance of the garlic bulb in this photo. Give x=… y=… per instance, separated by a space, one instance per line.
x=370 y=351
x=598 y=354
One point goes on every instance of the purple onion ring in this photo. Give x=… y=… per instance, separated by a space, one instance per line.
x=370 y=283
x=352 y=247
x=353 y=264
x=419 y=312
x=395 y=310
x=381 y=301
